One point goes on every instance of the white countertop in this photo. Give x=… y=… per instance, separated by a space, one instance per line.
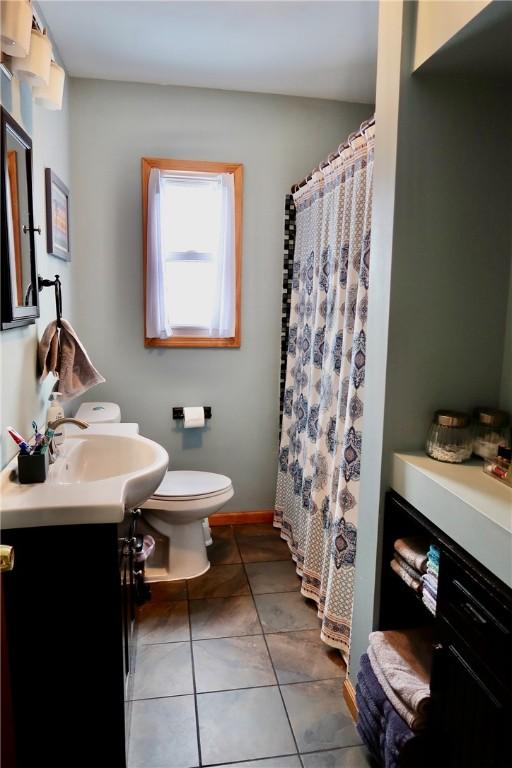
x=470 y=507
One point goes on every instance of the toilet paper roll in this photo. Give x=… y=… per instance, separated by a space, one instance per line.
x=193 y=416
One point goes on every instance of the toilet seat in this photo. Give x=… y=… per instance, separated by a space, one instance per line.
x=181 y=485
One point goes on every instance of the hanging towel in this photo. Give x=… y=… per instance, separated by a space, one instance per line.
x=401 y=662
x=411 y=582
x=61 y=353
x=413 y=549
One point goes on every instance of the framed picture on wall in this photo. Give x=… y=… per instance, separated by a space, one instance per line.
x=57 y=216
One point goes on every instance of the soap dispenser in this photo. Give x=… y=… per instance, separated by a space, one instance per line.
x=56 y=411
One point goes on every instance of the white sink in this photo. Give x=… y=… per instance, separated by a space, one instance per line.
x=92 y=481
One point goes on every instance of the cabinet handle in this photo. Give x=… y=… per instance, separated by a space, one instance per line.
x=6 y=558
x=31 y=229
x=474 y=613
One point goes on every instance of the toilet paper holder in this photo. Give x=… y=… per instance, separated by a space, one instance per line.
x=177 y=413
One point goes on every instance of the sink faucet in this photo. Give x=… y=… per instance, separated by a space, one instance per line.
x=53 y=425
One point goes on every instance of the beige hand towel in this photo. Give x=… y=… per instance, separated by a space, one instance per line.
x=401 y=661
x=61 y=353
x=413 y=549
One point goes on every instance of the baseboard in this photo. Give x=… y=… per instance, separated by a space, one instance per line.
x=349 y=694
x=239 y=518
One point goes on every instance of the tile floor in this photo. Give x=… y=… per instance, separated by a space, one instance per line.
x=230 y=669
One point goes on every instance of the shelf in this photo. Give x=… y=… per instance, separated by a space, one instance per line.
x=469 y=506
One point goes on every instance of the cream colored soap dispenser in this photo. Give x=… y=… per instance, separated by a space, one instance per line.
x=56 y=411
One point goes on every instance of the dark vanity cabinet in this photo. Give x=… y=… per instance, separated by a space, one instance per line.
x=70 y=609
x=471 y=683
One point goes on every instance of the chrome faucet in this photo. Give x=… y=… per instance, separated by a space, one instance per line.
x=53 y=425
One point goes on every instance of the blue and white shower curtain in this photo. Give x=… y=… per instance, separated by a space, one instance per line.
x=321 y=437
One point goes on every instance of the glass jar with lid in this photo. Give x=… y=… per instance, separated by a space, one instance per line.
x=490 y=431
x=449 y=437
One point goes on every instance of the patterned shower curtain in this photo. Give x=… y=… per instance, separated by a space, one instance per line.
x=319 y=458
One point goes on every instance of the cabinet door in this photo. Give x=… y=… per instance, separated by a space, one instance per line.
x=470 y=713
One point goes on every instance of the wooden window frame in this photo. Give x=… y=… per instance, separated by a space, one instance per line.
x=207 y=167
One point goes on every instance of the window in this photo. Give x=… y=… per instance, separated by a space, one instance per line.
x=192 y=253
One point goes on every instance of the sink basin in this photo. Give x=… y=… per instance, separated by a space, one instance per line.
x=92 y=481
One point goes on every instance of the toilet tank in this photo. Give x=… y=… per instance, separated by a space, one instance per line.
x=99 y=413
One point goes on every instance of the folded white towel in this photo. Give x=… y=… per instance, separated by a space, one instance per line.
x=401 y=661
x=61 y=353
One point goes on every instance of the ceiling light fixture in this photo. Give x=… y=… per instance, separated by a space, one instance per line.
x=35 y=68
x=50 y=96
x=16 y=27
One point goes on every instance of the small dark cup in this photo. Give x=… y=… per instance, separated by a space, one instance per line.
x=33 y=468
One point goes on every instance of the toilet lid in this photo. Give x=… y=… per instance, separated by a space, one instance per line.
x=189 y=483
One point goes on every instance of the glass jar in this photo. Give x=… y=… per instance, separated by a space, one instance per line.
x=449 y=437
x=490 y=432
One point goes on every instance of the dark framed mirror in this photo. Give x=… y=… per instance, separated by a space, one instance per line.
x=19 y=290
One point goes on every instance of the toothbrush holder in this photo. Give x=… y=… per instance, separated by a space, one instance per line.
x=33 y=468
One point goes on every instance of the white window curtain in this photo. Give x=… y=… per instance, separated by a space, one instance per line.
x=221 y=320
x=157 y=325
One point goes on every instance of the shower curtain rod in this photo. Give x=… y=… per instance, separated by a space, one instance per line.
x=334 y=155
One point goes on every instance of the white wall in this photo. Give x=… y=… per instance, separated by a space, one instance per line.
x=22 y=397
x=278 y=139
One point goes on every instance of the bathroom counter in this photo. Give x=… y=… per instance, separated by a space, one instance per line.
x=469 y=506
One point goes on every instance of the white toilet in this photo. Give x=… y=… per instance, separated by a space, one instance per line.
x=178 y=509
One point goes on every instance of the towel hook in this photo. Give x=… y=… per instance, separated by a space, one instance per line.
x=45 y=283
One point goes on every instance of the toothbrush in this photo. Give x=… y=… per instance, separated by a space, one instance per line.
x=38 y=437
x=20 y=442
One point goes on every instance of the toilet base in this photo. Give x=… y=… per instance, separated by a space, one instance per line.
x=187 y=556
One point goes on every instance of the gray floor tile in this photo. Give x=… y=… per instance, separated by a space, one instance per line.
x=163 y=670
x=163 y=734
x=291 y=761
x=224 y=549
x=220 y=581
x=243 y=725
x=163 y=622
x=278 y=576
x=257 y=549
x=285 y=612
x=168 y=591
x=319 y=716
x=256 y=529
x=223 y=617
x=350 y=757
x=302 y=656
x=235 y=662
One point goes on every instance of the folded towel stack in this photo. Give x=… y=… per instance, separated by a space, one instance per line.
x=429 y=580
x=410 y=561
x=379 y=725
x=393 y=691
